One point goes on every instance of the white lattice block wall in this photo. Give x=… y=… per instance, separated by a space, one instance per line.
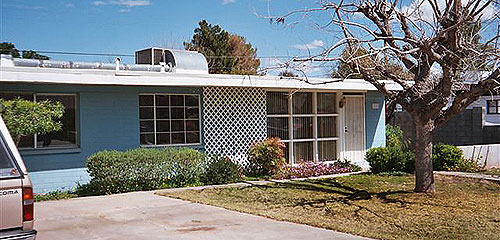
x=233 y=118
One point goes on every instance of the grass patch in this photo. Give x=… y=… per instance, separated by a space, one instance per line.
x=257 y=178
x=460 y=208
x=55 y=195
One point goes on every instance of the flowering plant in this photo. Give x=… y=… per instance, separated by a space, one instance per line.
x=267 y=156
x=313 y=169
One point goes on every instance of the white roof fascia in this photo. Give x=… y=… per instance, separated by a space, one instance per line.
x=132 y=78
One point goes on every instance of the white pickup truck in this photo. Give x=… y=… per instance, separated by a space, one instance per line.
x=16 y=192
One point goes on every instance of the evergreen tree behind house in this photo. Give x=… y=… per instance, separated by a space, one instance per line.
x=226 y=53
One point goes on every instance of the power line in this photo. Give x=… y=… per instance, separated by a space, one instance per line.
x=212 y=57
x=82 y=53
x=132 y=55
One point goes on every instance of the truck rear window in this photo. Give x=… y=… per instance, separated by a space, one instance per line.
x=7 y=167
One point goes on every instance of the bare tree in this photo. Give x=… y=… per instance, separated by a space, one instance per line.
x=448 y=47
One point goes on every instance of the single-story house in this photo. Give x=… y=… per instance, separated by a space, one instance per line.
x=177 y=103
x=490 y=104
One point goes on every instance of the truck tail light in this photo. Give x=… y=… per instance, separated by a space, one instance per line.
x=28 y=203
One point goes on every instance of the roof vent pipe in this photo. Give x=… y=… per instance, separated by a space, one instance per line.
x=117 y=64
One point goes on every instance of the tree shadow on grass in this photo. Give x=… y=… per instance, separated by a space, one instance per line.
x=342 y=191
x=341 y=194
x=331 y=186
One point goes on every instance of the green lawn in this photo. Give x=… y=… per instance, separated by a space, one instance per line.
x=460 y=208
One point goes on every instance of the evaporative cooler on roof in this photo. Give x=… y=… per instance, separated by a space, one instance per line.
x=181 y=61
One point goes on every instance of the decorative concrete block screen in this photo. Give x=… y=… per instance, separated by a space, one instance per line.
x=233 y=119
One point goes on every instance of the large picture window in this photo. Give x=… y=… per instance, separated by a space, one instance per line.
x=306 y=122
x=493 y=106
x=66 y=137
x=169 y=119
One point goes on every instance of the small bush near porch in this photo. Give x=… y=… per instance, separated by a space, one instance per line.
x=377 y=206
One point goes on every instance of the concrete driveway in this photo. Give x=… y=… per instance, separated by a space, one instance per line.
x=144 y=215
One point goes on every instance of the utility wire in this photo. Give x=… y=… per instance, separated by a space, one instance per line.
x=82 y=53
x=132 y=55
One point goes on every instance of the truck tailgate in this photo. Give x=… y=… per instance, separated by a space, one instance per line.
x=11 y=203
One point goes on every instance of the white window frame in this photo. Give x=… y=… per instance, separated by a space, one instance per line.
x=497 y=101
x=315 y=139
x=76 y=120
x=170 y=120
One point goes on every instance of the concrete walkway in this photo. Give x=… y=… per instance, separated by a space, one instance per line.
x=144 y=215
x=494 y=178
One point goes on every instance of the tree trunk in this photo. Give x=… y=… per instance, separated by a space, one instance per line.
x=424 y=176
x=390 y=107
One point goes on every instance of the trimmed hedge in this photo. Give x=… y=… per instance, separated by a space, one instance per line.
x=133 y=170
x=143 y=169
x=187 y=166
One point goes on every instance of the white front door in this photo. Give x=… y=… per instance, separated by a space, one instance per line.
x=354 y=129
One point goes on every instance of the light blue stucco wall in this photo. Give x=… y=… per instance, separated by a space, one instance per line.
x=108 y=118
x=375 y=120
x=62 y=180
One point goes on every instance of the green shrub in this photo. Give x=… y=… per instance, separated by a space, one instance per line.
x=142 y=169
x=390 y=159
x=345 y=163
x=91 y=188
x=467 y=165
x=133 y=170
x=410 y=162
x=378 y=158
x=186 y=166
x=446 y=157
x=395 y=157
x=397 y=160
x=266 y=157
x=219 y=170
x=394 y=137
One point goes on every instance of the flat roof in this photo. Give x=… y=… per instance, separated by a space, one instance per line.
x=39 y=75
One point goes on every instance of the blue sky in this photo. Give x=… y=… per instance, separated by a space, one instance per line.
x=114 y=26
x=123 y=26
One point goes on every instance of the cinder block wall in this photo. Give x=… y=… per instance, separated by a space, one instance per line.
x=464 y=129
